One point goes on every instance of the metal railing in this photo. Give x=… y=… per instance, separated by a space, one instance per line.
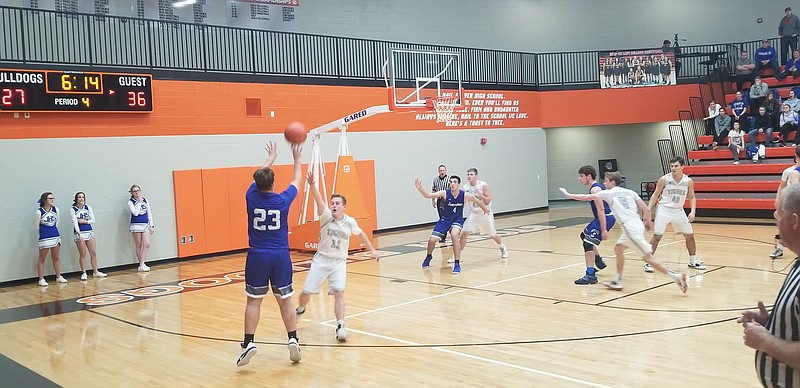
x=48 y=37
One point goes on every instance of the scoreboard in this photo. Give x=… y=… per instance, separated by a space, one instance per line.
x=74 y=91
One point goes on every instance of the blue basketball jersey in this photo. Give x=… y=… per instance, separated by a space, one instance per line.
x=47 y=223
x=267 y=215
x=605 y=204
x=453 y=206
x=142 y=217
x=82 y=214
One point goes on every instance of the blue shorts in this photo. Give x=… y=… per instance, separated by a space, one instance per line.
x=591 y=234
x=265 y=267
x=444 y=225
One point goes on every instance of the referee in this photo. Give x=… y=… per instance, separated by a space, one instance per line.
x=440 y=182
x=774 y=334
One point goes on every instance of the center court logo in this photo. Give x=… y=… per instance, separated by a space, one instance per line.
x=161 y=290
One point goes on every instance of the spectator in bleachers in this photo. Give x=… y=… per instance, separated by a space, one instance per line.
x=666 y=47
x=763 y=124
x=758 y=92
x=773 y=105
x=788 y=30
x=736 y=142
x=788 y=122
x=713 y=112
x=766 y=56
x=745 y=70
x=792 y=67
x=792 y=101
x=739 y=108
x=722 y=125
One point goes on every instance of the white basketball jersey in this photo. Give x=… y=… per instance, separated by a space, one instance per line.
x=674 y=193
x=474 y=190
x=622 y=202
x=786 y=173
x=334 y=236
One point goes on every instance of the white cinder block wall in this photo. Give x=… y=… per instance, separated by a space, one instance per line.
x=513 y=162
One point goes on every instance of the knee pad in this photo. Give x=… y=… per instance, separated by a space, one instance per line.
x=587 y=247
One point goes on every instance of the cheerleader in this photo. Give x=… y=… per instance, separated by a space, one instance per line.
x=141 y=225
x=49 y=238
x=82 y=220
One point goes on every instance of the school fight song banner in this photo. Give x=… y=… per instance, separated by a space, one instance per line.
x=636 y=68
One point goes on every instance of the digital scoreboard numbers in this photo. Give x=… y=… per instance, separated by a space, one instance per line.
x=74 y=91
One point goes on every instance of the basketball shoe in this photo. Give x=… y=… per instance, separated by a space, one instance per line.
x=247 y=353
x=294 y=350
x=341 y=332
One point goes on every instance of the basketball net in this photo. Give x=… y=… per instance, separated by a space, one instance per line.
x=444 y=107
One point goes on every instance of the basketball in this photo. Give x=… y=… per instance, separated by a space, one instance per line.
x=295 y=133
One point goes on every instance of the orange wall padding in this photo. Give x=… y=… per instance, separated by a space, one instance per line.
x=205 y=108
x=210 y=204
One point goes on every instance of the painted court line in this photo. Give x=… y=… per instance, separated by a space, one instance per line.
x=484 y=359
x=454 y=292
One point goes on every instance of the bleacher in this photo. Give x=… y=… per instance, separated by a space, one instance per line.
x=746 y=190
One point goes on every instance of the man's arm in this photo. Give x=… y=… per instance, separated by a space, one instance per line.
x=579 y=197
x=272 y=153
x=648 y=215
x=477 y=201
x=297 y=152
x=757 y=337
x=365 y=240
x=438 y=194
x=657 y=193
x=321 y=206
x=692 y=201
x=486 y=195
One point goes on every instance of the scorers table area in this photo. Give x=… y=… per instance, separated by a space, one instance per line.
x=74 y=91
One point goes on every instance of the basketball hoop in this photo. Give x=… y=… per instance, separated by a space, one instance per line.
x=444 y=107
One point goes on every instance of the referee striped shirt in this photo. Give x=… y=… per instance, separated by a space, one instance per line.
x=440 y=184
x=784 y=323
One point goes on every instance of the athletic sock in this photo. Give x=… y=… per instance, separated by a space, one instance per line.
x=248 y=338
x=692 y=259
x=617 y=278
x=590 y=271
x=292 y=334
x=779 y=246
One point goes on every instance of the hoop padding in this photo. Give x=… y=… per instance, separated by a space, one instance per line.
x=444 y=107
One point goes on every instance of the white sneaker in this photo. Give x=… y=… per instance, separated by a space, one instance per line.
x=61 y=279
x=294 y=350
x=648 y=268
x=247 y=353
x=451 y=260
x=84 y=276
x=503 y=252
x=42 y=283
x=697 y=265
x=778 y=253
x=341 y=333
x=144 y=268
x=736 y=162
x=99 y=274
x=614 y=285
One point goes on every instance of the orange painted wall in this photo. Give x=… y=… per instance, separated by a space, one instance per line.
x=200 y=108
x=577 y=108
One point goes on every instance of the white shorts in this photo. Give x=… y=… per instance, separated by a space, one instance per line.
x=633 y=235
x=480 y=223
x=84 y=235
x=47 y=243
x=676 y=217
x=139 y=228
x=335 y=270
